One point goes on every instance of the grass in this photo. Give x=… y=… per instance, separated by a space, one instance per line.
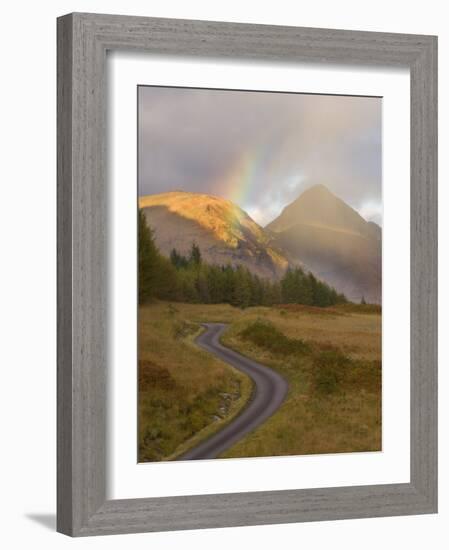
x=334 y=375
x=331 y=358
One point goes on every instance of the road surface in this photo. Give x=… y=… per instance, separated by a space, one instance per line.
x=268 y=395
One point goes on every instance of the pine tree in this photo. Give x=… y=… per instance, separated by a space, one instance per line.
x=177 y=259
x=215 y=281
x=148 y=261
x=195 y=254
x=313 y=285
x=228 y=284
x=322 y=297
x=167 y=285
x=202 y=286
x=242 y=289
x=157 y=275
x=287 y=286
x=257 y=290
x=187 y=285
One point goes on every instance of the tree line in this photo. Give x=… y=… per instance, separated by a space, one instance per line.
x=187 y=278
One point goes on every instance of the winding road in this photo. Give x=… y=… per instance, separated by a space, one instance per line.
x=268 y=395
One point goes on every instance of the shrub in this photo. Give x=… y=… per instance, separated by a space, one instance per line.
x=182 y=329
x=366 y=375
x=360 y=308
x=330 y=371
x=265 y=335
x=152 y=375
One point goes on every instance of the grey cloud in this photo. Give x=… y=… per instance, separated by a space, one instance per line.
x=189 y=139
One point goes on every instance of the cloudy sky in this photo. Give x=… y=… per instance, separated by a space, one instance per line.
x=260 y=150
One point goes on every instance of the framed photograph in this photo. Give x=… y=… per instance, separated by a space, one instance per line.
x=247 y=281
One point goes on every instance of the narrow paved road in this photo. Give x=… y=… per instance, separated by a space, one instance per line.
x=269 y=393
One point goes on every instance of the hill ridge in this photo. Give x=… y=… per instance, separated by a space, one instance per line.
x=225 y=233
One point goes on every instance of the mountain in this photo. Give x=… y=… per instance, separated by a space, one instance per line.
x=335 y=242
x=222 y=230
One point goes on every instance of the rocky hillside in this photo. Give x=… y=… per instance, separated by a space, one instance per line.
x=222 y=230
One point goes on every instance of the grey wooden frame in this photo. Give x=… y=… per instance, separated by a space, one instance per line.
x=83 y=40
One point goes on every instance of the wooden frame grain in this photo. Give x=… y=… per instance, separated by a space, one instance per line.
x=83 y=40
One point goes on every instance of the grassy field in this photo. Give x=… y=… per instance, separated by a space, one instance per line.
x=331 y=358
x=185 y=393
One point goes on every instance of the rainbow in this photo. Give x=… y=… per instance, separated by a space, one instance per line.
x=249 y=167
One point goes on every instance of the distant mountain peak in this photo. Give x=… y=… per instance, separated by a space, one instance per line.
x=318 y=188
x=339 y=245
x=317 y=205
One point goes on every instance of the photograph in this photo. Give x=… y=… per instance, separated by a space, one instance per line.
x=259 y=273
